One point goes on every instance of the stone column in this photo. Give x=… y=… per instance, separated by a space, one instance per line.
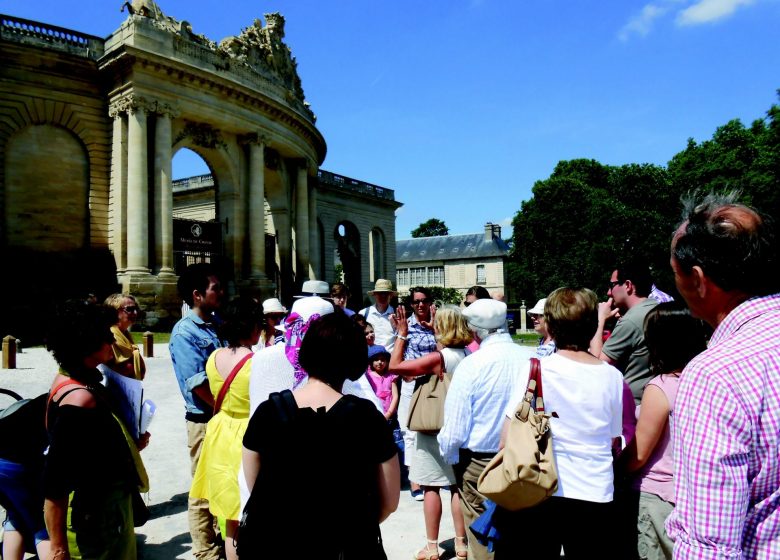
x=302 y=222
x=163 y=190
x=119 y=184
x=257 y=207
x=314 y=237
x=137 y=191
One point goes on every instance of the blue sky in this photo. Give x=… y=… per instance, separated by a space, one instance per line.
x=460 y=105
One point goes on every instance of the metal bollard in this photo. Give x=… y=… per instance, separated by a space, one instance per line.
x=9 y=352
x=148 y=345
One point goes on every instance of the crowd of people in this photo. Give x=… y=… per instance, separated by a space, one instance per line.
x=665 y=427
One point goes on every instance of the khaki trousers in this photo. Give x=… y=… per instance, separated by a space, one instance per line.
x=467 y=471
x=203 y=532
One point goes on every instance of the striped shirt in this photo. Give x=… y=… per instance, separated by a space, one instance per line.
x=479 y=394
x=727 y=440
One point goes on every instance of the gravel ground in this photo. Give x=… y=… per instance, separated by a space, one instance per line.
x=166 y=534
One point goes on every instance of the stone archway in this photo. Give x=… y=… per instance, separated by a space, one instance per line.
x=347 y=237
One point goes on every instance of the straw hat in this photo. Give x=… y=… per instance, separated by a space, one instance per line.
x=314 y=288
x=382 y=285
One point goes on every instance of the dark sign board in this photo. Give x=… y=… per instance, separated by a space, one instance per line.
x=189 y=235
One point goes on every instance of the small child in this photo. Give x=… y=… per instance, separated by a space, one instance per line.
x=370 y=337
x=384 y=386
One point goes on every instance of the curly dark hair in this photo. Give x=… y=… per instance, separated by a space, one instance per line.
x=240 y=317
x=733 y=244
x=334 y=350
x=76 y=330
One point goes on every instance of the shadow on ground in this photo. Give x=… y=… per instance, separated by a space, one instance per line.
x=177 y=504
x=173 y=548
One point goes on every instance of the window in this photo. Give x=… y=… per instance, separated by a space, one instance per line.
x=417 y=277
x=481 y=279
x=403 y=277
x=436 y=275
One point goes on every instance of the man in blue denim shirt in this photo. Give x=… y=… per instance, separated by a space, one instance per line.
x=192 y=341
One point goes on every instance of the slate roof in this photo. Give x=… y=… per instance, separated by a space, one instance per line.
x=449 y=247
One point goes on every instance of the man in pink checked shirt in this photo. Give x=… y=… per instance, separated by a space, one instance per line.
x=727 y=423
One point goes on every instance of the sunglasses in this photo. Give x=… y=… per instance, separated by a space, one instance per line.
x=131 y=309
x=420 y=301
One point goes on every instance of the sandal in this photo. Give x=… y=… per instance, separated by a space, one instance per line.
x=461 y=547
x=426 y=553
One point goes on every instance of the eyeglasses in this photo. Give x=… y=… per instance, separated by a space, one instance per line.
x=420 y=301
x=613 y=283
x=131 y=309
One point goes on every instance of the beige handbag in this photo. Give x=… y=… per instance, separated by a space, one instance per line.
x=523 y=473
x=426 y=410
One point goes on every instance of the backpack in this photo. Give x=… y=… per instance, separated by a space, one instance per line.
x=24 y=430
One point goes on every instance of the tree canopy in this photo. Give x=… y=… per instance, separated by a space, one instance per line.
x=587 y=216
x=430 y=228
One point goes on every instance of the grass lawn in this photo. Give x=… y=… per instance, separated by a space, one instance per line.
x=526 y=339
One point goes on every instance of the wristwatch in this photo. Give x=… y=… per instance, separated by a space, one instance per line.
x=400 y=336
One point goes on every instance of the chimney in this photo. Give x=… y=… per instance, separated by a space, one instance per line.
x=492 y=231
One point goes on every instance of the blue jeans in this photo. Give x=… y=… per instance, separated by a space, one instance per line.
x=21 y=496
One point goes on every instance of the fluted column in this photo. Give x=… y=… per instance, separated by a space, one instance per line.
x=119 y=185
x=257 y=207
x=302 y=221
x=314 y=234
x=137 y=191
x=163 y=190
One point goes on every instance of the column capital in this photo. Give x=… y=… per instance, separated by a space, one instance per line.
x=166 y=109
x=130 y=103
x=305 y=164
x=255 y=139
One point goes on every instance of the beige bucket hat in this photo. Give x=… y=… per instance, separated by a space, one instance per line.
x=382 y=285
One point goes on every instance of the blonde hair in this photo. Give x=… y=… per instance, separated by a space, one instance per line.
x=116 y=300
x=452 y=330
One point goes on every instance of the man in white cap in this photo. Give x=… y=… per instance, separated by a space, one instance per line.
x=381 y=314
x=476 y=401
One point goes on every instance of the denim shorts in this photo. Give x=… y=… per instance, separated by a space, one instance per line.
x=21 y=496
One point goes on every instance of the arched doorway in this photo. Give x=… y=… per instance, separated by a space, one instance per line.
x=347 y=239
x=197 y=231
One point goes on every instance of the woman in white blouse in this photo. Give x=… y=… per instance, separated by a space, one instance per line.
x=584 y=396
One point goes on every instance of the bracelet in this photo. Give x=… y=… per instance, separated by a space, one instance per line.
x=400 y=336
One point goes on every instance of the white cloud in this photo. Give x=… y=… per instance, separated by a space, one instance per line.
x=706 y=11
x=642 y=23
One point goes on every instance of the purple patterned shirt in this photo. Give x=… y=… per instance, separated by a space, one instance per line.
x=420 y=340
x=727 y=440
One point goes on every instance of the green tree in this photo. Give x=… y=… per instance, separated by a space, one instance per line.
x=430 y=228
x=583 y=220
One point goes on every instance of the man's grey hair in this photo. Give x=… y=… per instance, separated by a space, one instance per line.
x=732 y=243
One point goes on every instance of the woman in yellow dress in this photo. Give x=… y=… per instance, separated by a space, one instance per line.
x=216 y=478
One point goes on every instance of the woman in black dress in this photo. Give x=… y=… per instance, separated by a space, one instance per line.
x=303 y=448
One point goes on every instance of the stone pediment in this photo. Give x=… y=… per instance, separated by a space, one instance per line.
x=258 y=48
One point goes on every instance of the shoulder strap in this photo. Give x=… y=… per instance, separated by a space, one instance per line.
x=228 y=380
x=533 y=392
x=56 y=390
x=366 y=312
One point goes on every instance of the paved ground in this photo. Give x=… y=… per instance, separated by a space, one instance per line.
x=166 y=535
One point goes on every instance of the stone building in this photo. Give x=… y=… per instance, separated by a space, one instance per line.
x=453 y=261
x=88 y=130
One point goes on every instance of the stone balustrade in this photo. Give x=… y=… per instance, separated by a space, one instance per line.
x=26 y=31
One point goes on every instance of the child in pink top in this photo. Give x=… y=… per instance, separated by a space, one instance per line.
x=381 y=381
